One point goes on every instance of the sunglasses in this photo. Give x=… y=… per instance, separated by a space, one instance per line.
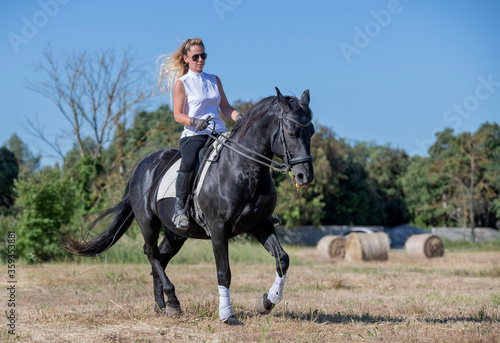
x=202 y=55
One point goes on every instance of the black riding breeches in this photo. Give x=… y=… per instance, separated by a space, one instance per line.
x=190 y=148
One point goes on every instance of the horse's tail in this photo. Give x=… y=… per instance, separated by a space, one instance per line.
x=123 y=216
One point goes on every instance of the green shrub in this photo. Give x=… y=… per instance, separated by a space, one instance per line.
x=48 y=202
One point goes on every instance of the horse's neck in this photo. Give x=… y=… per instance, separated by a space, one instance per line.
x=257 y=139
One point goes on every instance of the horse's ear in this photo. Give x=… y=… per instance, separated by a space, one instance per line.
x=304 y=99
x=284 y=103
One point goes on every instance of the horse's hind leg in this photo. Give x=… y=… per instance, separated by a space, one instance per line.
x=169 y=247
x=151 y=231
x=162 y=284
x=269 y=240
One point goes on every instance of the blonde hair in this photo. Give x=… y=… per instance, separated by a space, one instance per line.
x=172 y=67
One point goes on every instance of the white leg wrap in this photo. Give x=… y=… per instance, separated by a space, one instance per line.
x=276 y=291
x=225 y=308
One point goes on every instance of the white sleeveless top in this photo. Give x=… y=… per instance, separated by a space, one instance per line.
x=203 y=100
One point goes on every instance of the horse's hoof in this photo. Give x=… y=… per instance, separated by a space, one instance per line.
x=169 y=311
x=172 y=311
x=231 y=321
x=159 y=310
x=264 y=306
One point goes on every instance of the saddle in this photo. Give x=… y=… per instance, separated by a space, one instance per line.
x=208 y=155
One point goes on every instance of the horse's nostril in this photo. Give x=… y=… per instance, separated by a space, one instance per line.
x=300 y=176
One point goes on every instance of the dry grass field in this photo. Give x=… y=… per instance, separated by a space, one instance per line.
x=450 y=299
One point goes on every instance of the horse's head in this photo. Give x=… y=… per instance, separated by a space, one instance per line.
x=293 y=141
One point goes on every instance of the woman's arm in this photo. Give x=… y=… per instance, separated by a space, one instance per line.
x=180 y=103
x=226 y=109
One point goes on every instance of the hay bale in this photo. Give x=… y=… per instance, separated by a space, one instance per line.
x=424 y=246
x=331 y=247
x=367 y=247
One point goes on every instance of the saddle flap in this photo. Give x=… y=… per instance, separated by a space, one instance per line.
x=167 y=184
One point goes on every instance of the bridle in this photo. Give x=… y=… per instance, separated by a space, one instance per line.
x=289 y=162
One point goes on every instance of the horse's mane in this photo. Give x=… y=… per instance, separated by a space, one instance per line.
x=255 y=113
x=258 y=111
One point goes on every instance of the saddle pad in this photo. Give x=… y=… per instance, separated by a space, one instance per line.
x=167 y=184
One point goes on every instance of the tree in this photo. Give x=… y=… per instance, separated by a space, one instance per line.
x=426 y=193
x=354 y=202
x=470 y=147
x=299 y=206
x=493 y=179
x=93 y=93
x=461 y=163
x=385 y=167
x=48 y=203
x=28 y=163
x=458 y=182
x=342 y=192
x=152 y=131
x=8 y=172
x=308 y=205
x=242 y=107
x=489 y=201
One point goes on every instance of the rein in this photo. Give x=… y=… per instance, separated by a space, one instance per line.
x=283 y=168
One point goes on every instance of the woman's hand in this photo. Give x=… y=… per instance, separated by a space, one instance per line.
x=199 y=124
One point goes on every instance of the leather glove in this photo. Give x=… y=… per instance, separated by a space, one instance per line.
x=199 y=124
x=238 y=117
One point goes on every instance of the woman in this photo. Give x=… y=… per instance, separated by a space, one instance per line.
x=198 y=96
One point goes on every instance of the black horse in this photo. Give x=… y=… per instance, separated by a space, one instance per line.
x=238 y=196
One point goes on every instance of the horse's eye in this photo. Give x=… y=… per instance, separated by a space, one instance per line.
x=294 y=133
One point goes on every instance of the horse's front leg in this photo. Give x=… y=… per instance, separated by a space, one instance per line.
x=267 y=237
x=220 y=241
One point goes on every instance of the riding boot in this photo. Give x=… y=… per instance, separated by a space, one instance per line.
x=183 y=187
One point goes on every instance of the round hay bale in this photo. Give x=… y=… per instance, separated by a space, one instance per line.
x=331 y=247
x=424 y=246
x=367 y=247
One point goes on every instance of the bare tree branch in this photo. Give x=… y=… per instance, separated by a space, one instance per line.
x=93 y=94
x=35 y=129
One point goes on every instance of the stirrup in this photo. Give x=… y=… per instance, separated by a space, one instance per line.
x=181 y=214
x=275 y=220
x=180 y=217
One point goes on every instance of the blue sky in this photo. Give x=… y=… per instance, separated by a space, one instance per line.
x=392 y=72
